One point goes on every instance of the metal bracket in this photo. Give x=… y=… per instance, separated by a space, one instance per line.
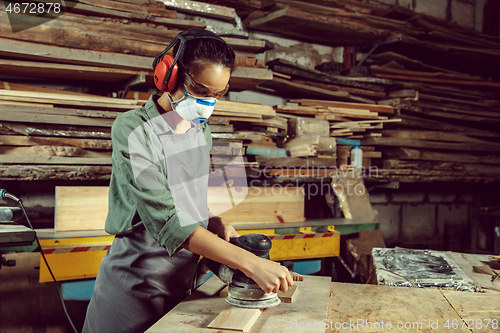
x=133 y=81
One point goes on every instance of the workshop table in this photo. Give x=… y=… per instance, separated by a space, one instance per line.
x=354 y=308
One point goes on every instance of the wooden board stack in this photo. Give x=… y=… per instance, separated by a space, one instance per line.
x=110 y=41
x=344 y=121
x=353 y=23
x=449 y=123
x=53 y=134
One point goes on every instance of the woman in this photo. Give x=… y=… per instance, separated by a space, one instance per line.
x=158 y=198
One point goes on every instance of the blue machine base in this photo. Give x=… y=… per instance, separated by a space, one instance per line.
x=77 y=290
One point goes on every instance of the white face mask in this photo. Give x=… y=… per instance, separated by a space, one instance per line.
x=193 y=109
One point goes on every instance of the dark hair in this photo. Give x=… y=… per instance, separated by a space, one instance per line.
x=201 y=51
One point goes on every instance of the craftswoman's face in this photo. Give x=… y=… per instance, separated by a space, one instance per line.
x=211 y=81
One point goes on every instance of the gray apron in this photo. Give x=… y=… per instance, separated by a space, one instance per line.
x=138 y=282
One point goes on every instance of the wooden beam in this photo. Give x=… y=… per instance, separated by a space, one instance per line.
x=394 y=142
x=49 y=53
x=67 y=71
x=402 y=153
x=201 y=9
x=18 y=140
x=54 y=172
x=345 y=105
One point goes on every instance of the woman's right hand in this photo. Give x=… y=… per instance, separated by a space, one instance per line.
x=269 y=275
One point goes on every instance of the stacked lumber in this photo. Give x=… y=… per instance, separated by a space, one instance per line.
x=116 y=38
x=442 y=78
x=46 y=130
x=52 y=134
x=449 y=123
x=292 y=80
x=100 y=48
x=345 y=123
x=353 y=23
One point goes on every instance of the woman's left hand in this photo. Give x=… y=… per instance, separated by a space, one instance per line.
x=222 y=228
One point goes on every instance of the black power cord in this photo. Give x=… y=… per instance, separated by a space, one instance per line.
x=58 y=287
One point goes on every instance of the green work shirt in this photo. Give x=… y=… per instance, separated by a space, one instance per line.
x=130 y=205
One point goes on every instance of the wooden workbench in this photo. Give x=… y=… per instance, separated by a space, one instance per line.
x=353 y=308
x=420 y=309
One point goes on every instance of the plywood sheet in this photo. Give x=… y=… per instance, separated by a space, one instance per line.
x=199 y=309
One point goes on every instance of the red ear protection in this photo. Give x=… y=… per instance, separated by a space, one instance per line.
x=165 y=66
x=161 y=69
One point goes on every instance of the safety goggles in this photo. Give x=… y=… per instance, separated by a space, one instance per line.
x=202 y=90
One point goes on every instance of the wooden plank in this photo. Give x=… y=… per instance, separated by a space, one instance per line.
x=18 y=159
x=430 y=135
x=71 y=208
x=65 y=112
x=433 y=176
x=237 y=136
x=428 y=124
x=483 y=169
x=430 y=144
x=70 y=102
x=49 y=53
x=463 y=83
x=201 y=9
x=360 y=106
x=244 y=78
x=205 y=304
x=248 y=45
x=53 y=151
x=79 y=36
x=25 y=87
x=82 y=8
x=54 y=172
x=133 y=7
x=414 y=154
x=236 y=319
x=245 y=108
x=26 y=129
x=357 y=123
x=18 y=140
x=64 y=96
x=66 y=71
